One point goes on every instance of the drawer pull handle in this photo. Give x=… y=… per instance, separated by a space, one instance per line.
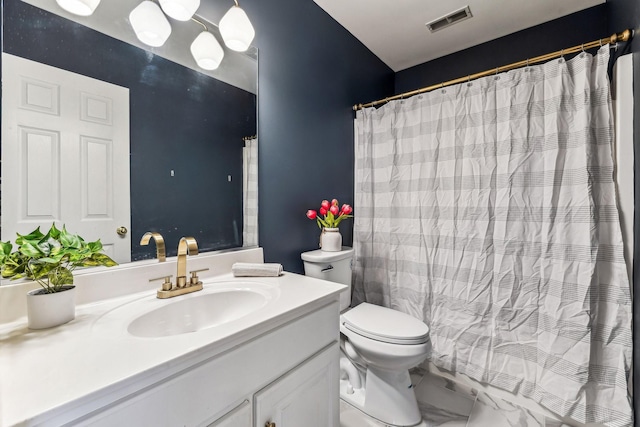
x=270 y=424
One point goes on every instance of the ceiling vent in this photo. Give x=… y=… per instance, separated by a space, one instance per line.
x=450 y=19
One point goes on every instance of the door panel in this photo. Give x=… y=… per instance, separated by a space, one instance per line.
x=65 y=151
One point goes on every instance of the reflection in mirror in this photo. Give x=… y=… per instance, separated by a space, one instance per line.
x=185 y=131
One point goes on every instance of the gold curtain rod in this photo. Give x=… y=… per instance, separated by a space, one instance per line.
x=623 y=36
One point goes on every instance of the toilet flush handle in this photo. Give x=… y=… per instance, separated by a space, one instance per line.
x=327 y=268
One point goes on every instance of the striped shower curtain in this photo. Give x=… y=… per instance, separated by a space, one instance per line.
x=488 y=210
x=250 y=193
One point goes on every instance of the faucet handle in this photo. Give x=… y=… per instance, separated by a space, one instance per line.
x=166 y=285
x=194 y=276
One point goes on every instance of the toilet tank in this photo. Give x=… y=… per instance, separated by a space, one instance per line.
x=331 y=266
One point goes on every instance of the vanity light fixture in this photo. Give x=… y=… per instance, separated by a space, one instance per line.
x=181 y=10
x=236 y=29
x=152 y=28
x=79 y=7
x=206 y=50
x=149 y=23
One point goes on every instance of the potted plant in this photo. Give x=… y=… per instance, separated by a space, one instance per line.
x=50 y=259
x=332 y=216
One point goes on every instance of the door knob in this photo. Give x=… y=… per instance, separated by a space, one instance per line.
x=121 y=231
x=270 y=424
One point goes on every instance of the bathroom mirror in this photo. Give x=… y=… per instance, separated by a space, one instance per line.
x=186 y=126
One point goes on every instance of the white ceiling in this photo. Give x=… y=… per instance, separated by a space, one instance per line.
x=395 y=30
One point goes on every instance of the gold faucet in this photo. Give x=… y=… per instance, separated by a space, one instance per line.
x=157 y=237
x=186 y=246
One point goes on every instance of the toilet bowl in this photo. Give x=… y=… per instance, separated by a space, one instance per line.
x=378 y=346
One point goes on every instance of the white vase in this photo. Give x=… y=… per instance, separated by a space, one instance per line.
x=49 y=310
x=331 y=240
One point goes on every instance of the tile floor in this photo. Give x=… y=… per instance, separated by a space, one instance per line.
x=449 y=404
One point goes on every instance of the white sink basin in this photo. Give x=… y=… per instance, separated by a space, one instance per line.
x=197 y=313
x=217 y=304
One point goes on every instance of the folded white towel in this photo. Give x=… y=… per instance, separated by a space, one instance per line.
x=247 y=269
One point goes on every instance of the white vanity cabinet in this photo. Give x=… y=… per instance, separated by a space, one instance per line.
x=307 y=396
x=288 y=375
x=239 y=417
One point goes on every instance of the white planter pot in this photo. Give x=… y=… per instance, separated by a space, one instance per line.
x=331 y=240
x=49 y=310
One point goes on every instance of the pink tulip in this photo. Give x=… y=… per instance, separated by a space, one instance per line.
x=325 y=204
x=334 y=210
x=323 y=211
x=346 y=209
x=311 y=214
x=334 y=202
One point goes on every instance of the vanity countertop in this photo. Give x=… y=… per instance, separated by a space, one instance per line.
x=93 y=360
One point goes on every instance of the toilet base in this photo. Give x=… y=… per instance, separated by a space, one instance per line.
x=387 y=396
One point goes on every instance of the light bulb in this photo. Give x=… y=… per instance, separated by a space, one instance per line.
x=236 y=29
x=207 y=51
x=182 y=10
x=79 y=7
x=150 y=24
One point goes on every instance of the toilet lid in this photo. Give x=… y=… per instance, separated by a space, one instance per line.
x=384 y=324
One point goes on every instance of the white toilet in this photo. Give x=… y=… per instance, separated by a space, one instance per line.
x=378 y=345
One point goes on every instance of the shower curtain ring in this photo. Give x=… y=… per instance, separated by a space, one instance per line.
x=600 y=42
x=582 y=47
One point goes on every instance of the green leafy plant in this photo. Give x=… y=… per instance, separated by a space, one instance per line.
x=50 y=258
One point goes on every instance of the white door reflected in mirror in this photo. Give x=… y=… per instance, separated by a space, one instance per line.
x=51 y=119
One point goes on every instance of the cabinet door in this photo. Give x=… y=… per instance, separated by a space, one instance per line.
x=239 y=417
x=307 y=396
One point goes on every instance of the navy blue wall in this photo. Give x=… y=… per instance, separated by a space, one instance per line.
x=180 y=119
x=311 y=72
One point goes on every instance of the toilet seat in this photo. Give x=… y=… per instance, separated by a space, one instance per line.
x=385 y=325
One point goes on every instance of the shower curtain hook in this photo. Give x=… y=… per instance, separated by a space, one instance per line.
x=582 y=47
x=600 y=42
